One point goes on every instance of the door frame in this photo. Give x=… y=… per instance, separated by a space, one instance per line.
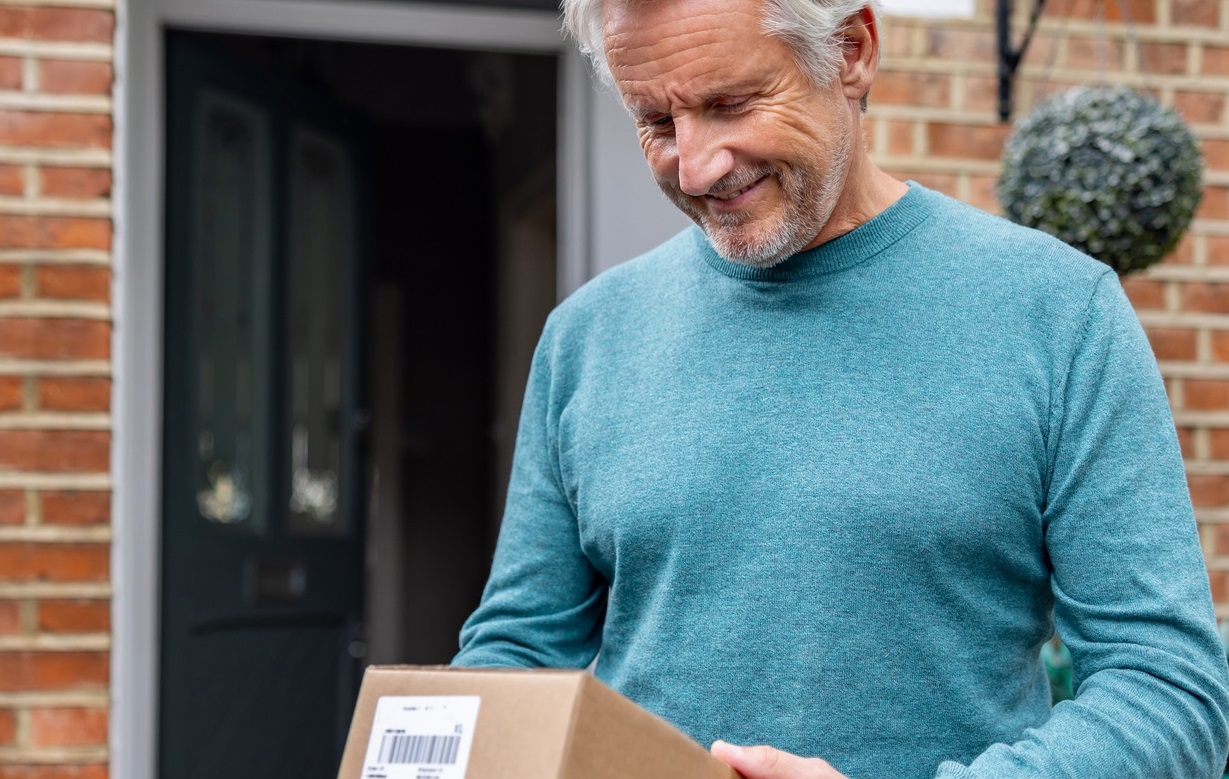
x=139 y=256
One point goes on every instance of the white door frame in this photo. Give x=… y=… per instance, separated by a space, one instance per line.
x=138 y=277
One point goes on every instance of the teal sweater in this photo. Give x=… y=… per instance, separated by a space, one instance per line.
x=837 y=506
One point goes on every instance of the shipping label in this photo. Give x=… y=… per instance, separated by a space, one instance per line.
x=421 y=737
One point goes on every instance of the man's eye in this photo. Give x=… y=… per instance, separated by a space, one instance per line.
x=732 y=106
x=660 y=121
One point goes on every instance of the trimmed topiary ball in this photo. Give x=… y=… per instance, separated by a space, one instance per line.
x=1106 y=170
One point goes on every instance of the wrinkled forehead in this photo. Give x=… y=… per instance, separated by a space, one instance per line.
x=690 y=51
x=671 y=33
x=624 y=17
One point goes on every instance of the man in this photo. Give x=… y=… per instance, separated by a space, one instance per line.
x=824 y=473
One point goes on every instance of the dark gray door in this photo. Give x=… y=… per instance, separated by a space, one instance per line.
x=263 y=468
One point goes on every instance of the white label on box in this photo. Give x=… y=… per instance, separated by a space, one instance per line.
x=421 y=737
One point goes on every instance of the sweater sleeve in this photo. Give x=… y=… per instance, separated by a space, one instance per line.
x=544 y=602
x=1131 y=595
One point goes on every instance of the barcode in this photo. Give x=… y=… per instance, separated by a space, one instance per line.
x=421 y=750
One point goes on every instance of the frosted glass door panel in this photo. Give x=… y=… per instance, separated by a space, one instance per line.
x=230 y=325
x=321 y=245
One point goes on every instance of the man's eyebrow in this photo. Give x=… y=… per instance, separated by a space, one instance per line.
x=641 y=109
x=744 y=88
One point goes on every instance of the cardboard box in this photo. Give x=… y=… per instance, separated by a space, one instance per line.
x=442 y=723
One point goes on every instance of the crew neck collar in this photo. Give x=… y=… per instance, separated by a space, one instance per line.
x=842 y=252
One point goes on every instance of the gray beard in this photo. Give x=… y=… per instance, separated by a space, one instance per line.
x=809 y=204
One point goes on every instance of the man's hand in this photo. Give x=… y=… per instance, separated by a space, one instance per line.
x=769 y=763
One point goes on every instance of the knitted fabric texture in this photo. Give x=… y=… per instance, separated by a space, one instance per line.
x=837 y=505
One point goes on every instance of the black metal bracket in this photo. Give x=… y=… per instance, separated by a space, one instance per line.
x=1010 y=56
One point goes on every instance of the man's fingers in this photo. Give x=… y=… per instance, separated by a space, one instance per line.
x=763 y=762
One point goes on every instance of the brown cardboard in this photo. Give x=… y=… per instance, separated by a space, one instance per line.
x=541 y=725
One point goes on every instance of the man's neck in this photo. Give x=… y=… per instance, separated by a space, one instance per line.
x=868 y=192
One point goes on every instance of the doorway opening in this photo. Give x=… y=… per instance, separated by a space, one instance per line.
x=360 y=254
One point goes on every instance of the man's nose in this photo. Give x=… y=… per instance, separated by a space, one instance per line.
x=703 y=156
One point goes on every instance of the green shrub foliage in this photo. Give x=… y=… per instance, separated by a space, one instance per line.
x=1107 y=170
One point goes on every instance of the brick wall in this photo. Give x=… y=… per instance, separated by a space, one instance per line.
x=934 y=118
x=55 y=255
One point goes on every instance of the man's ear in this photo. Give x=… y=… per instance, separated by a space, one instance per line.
x=860 y=45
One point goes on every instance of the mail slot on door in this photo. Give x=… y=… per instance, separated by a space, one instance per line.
x=276 y=581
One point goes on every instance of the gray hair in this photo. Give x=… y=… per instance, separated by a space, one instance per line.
x=810 y=27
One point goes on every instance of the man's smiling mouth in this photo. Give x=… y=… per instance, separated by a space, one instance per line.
x=724 y=196
x=732 y=195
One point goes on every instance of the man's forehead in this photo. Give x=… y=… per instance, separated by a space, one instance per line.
x=688 y=51
x=625 y=17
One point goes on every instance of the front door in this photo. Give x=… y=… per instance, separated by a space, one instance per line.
x=263 y=471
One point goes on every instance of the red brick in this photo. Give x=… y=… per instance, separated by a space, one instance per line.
x=967 y=45
x=1208 y=490
x=1215 y=203
x=1168 y=58
x=1218 y=249
x=1200 y=107
x=1206 y=297
x=1184 y=252
x=1216 y=154
x=55 y=339
x=24 y=562
x=76 y=508
x=1216 y=60
x=1220 y=544
x=12 y=507
x=68 y=727
x=8 y=727
x=900 y=138
x=10 y=281
x=38 y=128
x=43 y=771
x=74 y=616
x=54 y=232
x=1173 y=343
x=895 y=87
x=1145 y=293
x=76 y=182
x=981 y=93
x=1044 y=48
x=74 y=394
x=11 y=393
x=1094 y=53
x=1201 y=13
x=964 y=141
x=58 y=24
x=52 y=671
x=1218 y=447
x=12 y=73
x=1219 y=580
x=69 y=282
x=58 y=451
x=1220 y=345
x=897 y=40
x=10 y=617
x=1207 y=394
x=12 y=180
x=76 y=77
